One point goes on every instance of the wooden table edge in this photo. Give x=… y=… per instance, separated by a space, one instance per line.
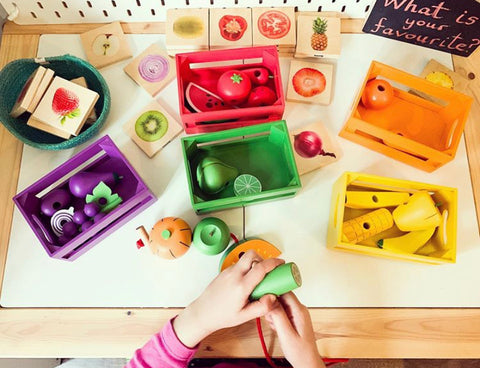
x=117 y=332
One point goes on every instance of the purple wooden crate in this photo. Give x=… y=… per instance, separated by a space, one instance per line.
x=101 y=156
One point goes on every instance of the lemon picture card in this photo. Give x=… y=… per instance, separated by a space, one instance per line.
x=28 y=92
x=105 y=45
x=152 y=128
x=230 y=28
x=186 y=30
x=310 y=82
x=153 y=69
x=65 y=105
x=318 y=36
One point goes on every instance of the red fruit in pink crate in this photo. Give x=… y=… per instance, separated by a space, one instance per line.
x=261 y=96
x=65 y=103
x=234 y=87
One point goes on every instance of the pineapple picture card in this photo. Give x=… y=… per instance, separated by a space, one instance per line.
x=230 y=28
x=439 y=74
x=187 y=30
x=153 y=69
x=105 y=45
x=310 y=82
x=314 y=147
x=28 y=92
x=318 y=36
x=152 y=128
x=65 y=105
x=274 y=26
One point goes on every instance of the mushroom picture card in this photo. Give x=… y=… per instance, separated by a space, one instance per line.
x=318 y=36
x=186 y=30
x=310 y=82
x=152 y=128
x=106 y=45
x=153 y=69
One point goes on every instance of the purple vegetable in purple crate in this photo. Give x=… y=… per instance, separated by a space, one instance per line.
x=91 y=209
x=86 y=225
x=99 y=216
x=54 y=201
x=82 y=183
x=70 y=229
x=79 y=217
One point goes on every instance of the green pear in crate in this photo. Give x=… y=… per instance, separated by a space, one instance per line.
x=214 y=175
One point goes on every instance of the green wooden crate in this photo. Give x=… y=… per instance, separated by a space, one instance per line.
x=263 y=151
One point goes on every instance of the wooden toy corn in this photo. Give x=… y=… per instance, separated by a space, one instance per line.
x=366 y=226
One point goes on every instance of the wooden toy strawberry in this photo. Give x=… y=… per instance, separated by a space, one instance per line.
x=65 y=103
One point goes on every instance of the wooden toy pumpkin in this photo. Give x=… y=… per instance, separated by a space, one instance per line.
x=169 y=238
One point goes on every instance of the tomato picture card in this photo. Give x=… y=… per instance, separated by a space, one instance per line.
x=310 y=82
x=152 y=128
x=186 y=30
x=65 y=105
x=28 y=92
x=314 y=147
x=105 y=45
x=230 y=28
x=274 y=26
x=153 y=69
x=318 y=36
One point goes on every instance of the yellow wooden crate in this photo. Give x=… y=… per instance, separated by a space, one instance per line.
x=444 y=197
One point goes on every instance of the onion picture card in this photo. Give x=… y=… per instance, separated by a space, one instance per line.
x=274 y=26
x=153 y=69
x=186 y=30
x=152 y=128
x=310 y=82
x=28 y=92
x=230 y=28
x=318 y=36
x=65 y=105
x=105 y=45
x=314 y=147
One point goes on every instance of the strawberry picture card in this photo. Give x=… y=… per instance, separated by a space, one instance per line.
x=310 y=82
x=37 y=124
x=65 y=105
x=28 y=92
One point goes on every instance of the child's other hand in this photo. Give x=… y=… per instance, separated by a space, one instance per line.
x=291 y=320
x=225 y=303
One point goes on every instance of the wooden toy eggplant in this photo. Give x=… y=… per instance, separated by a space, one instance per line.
x=82 y=183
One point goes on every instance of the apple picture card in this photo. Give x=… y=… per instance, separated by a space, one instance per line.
x=318 y=36
x=314 y=147
x=152 y=128
x=105 y=45
x=153 y=69
x=186 y=30
x=28 y=92
x=310 y=82
x=65 y=105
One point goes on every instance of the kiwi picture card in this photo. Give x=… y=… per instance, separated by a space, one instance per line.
x=65 y=105
x=105 y=45
x=28 y=92
x=318 y=36
x=186 y=29
x=153 y=69
x=152 y=128
x=310 y=82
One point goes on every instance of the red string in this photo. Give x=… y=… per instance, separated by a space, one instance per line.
x=264 y=346
x=235 y=239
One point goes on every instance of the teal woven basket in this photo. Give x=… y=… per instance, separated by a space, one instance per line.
x=14 y=75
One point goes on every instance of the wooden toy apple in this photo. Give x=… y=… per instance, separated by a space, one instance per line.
x=308 y=144
x=419 y=213
x=377 y=94
x=233 y=87
x=261 y=96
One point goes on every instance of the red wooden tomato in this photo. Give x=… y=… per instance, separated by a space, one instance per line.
x=274 y=24
x=232 y=27
x=234 y=87
x=377 y=94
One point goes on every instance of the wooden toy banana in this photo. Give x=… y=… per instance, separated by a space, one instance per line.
x=365 y=199
x=408 y=243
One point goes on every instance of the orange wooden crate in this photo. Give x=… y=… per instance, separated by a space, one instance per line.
x=411 y=129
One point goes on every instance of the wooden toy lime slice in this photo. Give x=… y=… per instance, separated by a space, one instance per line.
x=246 y=184
x=262 y=247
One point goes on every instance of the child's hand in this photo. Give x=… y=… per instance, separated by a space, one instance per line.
x=225 y=303
x=291 y=320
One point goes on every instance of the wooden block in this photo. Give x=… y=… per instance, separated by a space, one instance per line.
x=186 y=29
x=105 y=45
x=274 y=26
x=310 y=82
x=152 y=128
x=28 y=92
x=65 y=105
x=42 y=88
x=230 y=28
x=311 y=44
x=153 y=69
x=329 y=145
x=48 y=128
x=92 y=116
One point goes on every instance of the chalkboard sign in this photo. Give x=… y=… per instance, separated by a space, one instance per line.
x=450 y=25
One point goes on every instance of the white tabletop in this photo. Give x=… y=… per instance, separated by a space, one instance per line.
x=115 y=274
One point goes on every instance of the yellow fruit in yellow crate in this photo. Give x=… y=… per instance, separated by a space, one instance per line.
x=366 y=226
x=419 y=213
x=408 y=243
x=364 y=199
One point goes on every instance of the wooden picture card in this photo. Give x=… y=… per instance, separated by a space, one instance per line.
x=315 y=147
x=230 y=27
x=27 y=93
x=310 y=82
x=92 y=116
x=152 y=128
x=34 y=123
x=438 y=73
x=318 y=36
x=274 y=26
x=187 y=29
x=42 y=88
x=105 y=45
x=153 y=69
x=65 y=105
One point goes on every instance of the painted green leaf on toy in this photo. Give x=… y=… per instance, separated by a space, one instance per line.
x=103 y=196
